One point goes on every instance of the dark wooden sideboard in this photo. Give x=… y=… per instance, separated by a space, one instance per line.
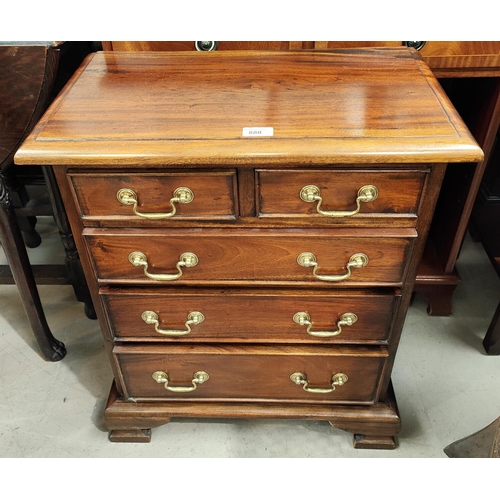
x=469 y=72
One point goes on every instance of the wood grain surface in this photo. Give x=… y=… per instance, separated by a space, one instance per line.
x=252 y=373
x=250 y=257
x=174 y=108
x=248 y=315
x=340 y=119
x=215 y=195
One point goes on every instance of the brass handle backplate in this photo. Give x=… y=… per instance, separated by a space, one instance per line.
x=194 y=318
x=415 y=45
x=356 y=261
x=311 y=194
x=198 y=379
x=347 y=319
x=301 y=379
x=187 y=259
x=180 y=195
x=205 y=46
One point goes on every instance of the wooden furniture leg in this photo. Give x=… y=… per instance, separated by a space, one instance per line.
x=73 y=264
x=491 y=341
x=15 y=251
x=31 y=75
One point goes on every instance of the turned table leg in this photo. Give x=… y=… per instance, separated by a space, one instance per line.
x=17 y=257
x=73 y=263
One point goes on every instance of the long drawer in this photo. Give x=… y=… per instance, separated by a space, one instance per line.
x=136 y=199
x=230 y=373
x=249 y=316
x=257 y=256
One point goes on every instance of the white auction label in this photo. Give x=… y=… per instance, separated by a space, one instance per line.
x=258 y=131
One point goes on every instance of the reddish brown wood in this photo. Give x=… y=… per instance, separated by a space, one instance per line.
x=458 y=63
x=469 y=72
x=159 y=135
x=398 y=193
x=130 y=436
x=214 y=196
x=366 y=442
x=249 y=316
x=456 y=58
x=246 y=193
x=256 y=372
x=380 y=421
x=445 y=58
x=134 y=46
x=345 y=114
x=257 y=256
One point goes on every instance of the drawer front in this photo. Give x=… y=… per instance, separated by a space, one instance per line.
x=248 y=257
x=249 y=316
x=252 y=372
x=212 y=196
x=285 y=194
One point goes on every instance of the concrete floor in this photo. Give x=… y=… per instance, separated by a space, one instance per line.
x=446 y=387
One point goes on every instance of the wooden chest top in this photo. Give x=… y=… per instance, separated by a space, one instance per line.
x=343 y=106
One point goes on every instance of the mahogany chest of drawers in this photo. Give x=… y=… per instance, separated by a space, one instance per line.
x=250 y=224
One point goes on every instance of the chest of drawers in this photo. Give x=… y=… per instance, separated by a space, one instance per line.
x=250 y=225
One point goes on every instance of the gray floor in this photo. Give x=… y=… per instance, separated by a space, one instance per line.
x=446 y=387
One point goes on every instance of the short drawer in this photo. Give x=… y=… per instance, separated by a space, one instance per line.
x=340 y=196
x=259 y=256
x=206 y=372
x=142 y=198
x=249 y=316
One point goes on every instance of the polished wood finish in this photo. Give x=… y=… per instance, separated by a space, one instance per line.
x=214 y=196
x=469 y=72
x=260 y=256
x=159 y=134
x=30 y=73
x=398 y=194
x=445 y=58
x=252 y=372
x=457 y=58
x=181 y=46
x=362 y=420
x=17 y=257
x=250 y=316
x=342 y=117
